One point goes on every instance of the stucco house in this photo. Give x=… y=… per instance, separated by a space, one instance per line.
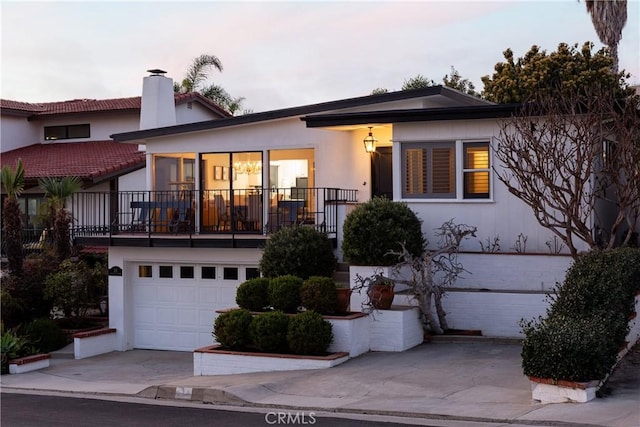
x=72 y=138
x=184 y=236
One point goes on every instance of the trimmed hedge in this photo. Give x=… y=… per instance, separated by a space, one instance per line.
x=231 y=329
x=378 y=226
x=299 y=251
x=268 y=331
x=319 y=294
x=253 y=294
x=309 y=333
x=587 y=321
x=284 y=293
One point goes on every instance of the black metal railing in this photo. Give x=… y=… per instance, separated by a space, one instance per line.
x=212 y=211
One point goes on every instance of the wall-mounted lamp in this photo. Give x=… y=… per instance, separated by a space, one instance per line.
x=370 y=142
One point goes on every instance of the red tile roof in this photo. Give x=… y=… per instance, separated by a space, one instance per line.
x=91 y=161
x=100 y=105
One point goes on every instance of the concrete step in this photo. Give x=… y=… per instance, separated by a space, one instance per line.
x=342 y=266
x=66 y=352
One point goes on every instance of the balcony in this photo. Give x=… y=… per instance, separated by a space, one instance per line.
x=202 y=218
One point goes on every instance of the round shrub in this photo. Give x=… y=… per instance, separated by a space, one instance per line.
x=231 y=329
x=566 y=348
x=319 y=294
x=378 y=226
x=253 y=294
x=268 y=331
x=588 y=320
x=309 y=334
x=284 y=293
x=45 y=335
x=300 y=251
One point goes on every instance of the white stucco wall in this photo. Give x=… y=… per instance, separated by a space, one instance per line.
x=16 y=132
x=504 y=216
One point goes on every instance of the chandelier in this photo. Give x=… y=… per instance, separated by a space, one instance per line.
x=249 y=168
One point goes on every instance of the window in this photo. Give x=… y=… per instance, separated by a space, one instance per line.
x=145 y=271
x=230 y=273
x=187 y=272
x=251 y=273
x=52 y=133
x=429 y=170
x=166 y=271
x=432 y=170
x=476 y=170
x=208 y=272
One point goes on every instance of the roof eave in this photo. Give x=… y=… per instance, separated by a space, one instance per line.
x=412 y=115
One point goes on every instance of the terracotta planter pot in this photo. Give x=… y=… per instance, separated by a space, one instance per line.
x=381 y=296
x=344 y=300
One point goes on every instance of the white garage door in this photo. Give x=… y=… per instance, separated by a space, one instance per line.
x=175 y=304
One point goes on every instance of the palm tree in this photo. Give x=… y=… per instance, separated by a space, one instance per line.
x=197 y=73
x=196 y=76
x=609 y=18
x=59 y=219
x=13 y=184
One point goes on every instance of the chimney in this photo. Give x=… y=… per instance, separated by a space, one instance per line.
x=158 y=106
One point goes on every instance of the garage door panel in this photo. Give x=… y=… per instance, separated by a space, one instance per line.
x=167 y=294
x=188 y=294
x=178 y=314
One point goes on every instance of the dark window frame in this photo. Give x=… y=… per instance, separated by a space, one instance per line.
x=55 y=133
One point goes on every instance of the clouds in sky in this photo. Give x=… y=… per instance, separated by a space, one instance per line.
x=278 y=54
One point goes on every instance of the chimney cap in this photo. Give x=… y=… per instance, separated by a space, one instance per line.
x=156 y=72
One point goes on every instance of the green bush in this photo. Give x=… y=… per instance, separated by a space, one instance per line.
x=588 y=319
x=568 y=348
x=45 y=335
x=378 y=226
x=268 y=331
x=231 y=329
x=253 y=294
x=299 y=251
x=23 y=297
x=12 y=346
x=284 y=293
x=319 y=294
x=70 y=289
x=309 y=334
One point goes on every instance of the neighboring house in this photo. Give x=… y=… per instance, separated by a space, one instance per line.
x=181 y=244
x=72 y=138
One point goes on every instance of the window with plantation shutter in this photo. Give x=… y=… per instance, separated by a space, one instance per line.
x=429 y=170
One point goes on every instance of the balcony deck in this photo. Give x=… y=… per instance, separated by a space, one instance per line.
x=202 y=218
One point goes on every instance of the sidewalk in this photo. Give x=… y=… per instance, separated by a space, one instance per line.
x=455 y=381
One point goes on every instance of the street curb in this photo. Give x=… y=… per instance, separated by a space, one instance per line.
x=221 y=397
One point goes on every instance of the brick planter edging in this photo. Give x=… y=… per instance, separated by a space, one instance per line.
x=94 y=333
x=29 y=359
x=29 y=363
x=219 y=350
x=582 y=385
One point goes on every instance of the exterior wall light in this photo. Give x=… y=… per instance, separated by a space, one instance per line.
x=370 y=142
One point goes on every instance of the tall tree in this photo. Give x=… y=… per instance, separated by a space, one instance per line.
x=609 y=18
x=562 y=72
x=197 y=73
x=417 y=82
x=572 y=157
x=196 y=77
x=13 y=184
x=59 y=218
x=455 y=81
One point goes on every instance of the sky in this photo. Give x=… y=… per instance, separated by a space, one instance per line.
x=279 y=54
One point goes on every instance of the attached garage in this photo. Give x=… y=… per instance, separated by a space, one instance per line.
x=174 y=304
